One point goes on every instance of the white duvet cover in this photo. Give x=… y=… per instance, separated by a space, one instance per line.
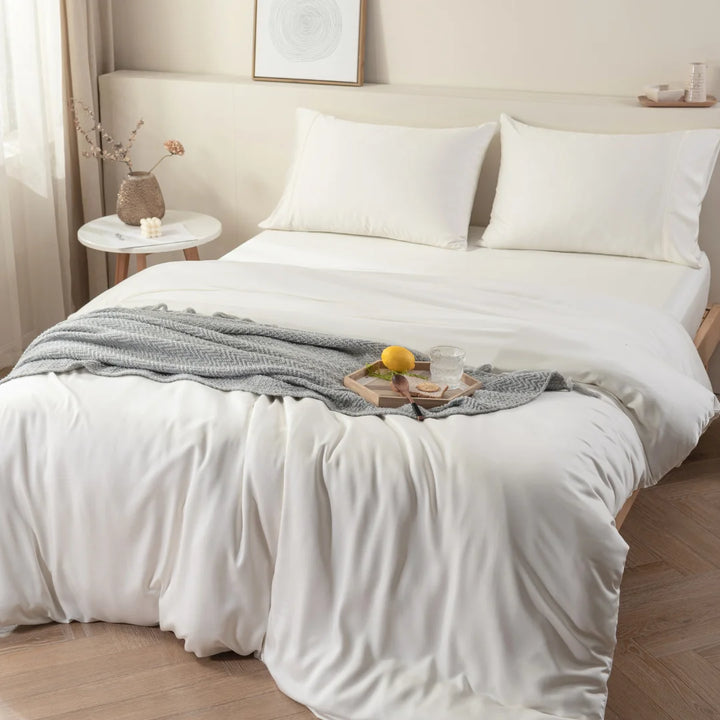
x=382 y=568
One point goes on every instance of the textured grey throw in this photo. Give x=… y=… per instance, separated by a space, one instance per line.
x=228 y=353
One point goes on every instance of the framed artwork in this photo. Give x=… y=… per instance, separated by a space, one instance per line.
x=312 y=41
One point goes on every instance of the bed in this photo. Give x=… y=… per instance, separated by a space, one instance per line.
x=380 y=567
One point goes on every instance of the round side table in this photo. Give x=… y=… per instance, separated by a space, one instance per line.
x=110 y=234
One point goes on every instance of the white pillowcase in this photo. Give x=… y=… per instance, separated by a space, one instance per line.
x=635 y=195
x=412 y=184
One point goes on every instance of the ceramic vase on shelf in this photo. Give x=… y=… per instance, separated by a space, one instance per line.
x=139 y=197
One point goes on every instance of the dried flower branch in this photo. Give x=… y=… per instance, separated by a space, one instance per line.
x=97 y=136
x=113 y=150
x=174 y=147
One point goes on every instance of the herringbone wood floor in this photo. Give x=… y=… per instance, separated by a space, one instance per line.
x=667 y=662
x=667 y=665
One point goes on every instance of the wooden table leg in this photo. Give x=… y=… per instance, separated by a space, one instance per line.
x=122 y=262
x=141 y=261
x=191 y=253
x=625 y=509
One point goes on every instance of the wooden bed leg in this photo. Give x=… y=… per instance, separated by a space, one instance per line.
x=708 y=334
x=625 y=509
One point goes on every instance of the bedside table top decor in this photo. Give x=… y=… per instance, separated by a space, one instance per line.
x=181 y=229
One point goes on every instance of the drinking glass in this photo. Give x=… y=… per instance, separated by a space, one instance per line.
x=696 y=86
x=446 y=365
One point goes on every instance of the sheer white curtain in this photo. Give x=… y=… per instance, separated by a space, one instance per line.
x=49 y=50
x=34 y=249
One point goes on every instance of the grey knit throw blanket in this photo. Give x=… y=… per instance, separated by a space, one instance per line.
x=229 y=353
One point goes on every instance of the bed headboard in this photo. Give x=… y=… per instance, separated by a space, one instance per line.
x=238 y=136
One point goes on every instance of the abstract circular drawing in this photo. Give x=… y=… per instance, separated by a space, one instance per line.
x=306 y=30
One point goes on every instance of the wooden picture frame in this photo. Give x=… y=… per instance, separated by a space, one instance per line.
x=309 y=41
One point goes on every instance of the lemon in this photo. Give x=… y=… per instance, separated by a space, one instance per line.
x=398 y=359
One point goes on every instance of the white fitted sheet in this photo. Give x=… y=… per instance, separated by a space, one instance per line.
x=678 y=290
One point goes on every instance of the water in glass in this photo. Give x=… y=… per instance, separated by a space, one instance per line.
x=446 y=365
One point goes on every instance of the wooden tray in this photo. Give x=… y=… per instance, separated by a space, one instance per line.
x=647 y=102
x=380 y=392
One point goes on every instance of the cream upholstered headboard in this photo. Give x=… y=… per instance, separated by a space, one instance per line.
x=238 y=135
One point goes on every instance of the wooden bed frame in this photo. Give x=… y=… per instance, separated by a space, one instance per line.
x=706 y=340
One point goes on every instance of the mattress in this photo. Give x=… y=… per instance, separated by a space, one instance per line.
x=679 y=290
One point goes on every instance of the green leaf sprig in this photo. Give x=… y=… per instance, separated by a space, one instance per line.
x=388 y=375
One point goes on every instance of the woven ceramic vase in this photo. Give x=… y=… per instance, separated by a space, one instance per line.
x=139 y=197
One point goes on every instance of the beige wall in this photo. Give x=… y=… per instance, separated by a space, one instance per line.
x=609 y=47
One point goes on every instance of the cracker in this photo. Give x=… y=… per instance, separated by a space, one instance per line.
x=427 y=387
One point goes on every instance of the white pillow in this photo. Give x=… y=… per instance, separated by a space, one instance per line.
x=636 y=195
x=412 y=184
